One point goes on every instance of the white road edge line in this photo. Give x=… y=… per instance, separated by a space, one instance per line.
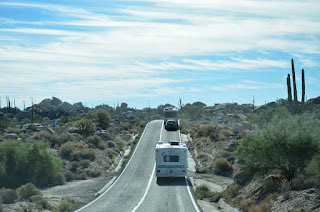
x=187 y=183
x=191 y=197
x=150 y=180
x=119 y=175
x=145 y=193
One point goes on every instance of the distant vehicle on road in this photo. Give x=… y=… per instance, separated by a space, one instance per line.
x=171 y=159
x=171 y=125
x=171 y=118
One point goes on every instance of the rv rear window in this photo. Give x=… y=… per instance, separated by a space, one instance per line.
x=171 y=158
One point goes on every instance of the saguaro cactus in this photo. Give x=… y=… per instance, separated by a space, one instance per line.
x=295 y=95
x=303 y=88
x=289 y=90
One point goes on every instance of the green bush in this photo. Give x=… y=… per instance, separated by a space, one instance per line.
x=265 y=116
x=285 y=145
x=83 y=176
x=203 y=191
x=221 y=165
x=111 y=144
x=27 y=191
x=68 y=175
x=66 y=150
x=103 y=117
x=74 y=166
x=8 y=195
x=64 y=207
x=93 y=173
x=22 y=163
x=85 y=126
x=84 y=163
x=40 y=201
x=94 y=140
x=314 y=168
x=231 y=191
x=80 y=154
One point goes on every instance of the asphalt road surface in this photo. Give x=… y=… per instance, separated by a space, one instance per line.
x=137 y=189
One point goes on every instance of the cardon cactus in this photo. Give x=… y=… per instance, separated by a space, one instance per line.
x=303 y=88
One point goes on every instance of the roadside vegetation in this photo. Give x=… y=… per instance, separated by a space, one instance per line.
x=81 y=147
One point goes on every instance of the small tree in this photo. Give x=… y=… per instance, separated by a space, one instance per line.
x=285 y=145
x=85 y=126
x=103 y=117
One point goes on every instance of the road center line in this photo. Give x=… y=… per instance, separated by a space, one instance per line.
x=119 y=175
x=145 y=193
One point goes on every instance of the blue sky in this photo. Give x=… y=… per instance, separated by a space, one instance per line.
x=105 y=52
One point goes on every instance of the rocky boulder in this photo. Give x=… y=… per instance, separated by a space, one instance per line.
x=65 y=108
x=78 y=106
x=242 y=178
x=55 y=101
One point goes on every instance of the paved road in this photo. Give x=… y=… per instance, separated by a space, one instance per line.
x=128 y=193
x=168 y=194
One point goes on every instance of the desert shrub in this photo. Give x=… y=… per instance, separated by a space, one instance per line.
x=3 y=125
x=59 y=179
x=285 y=145
x=53 y=139
x=84 y=163
x=60 y=139
x=94 y=140
x=202 y=156
x=28 y=190
x=68 y=175
x=203 y=191
x=80 y=154
x=66 y=150
x=83 y=175
x=231 y=191
x=65 y=206
x=21 y=163
x=40 y=201
x=93 y=173
x=8 y=195
x=221 y=165
x=134 y=142
x=103 y=117
x=92 y=115
x=193 y=112
x=314 y=168
x=205 y=130
x=265 y=116
x=74 y=166
x=43 y=136
x=85 y=126
x=111 y=153
x=111 y=144
x=119 y=147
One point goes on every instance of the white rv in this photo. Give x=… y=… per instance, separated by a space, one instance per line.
x=171 y=159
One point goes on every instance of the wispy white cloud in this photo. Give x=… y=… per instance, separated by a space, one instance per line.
x=137 y=46
x=247 y=85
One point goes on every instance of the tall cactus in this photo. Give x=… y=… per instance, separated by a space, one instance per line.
x=289 y=90
x=303 y=88
x=295 y=95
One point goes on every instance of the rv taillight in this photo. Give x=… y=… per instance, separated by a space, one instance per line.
x=183 y=170
x=158 y=170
